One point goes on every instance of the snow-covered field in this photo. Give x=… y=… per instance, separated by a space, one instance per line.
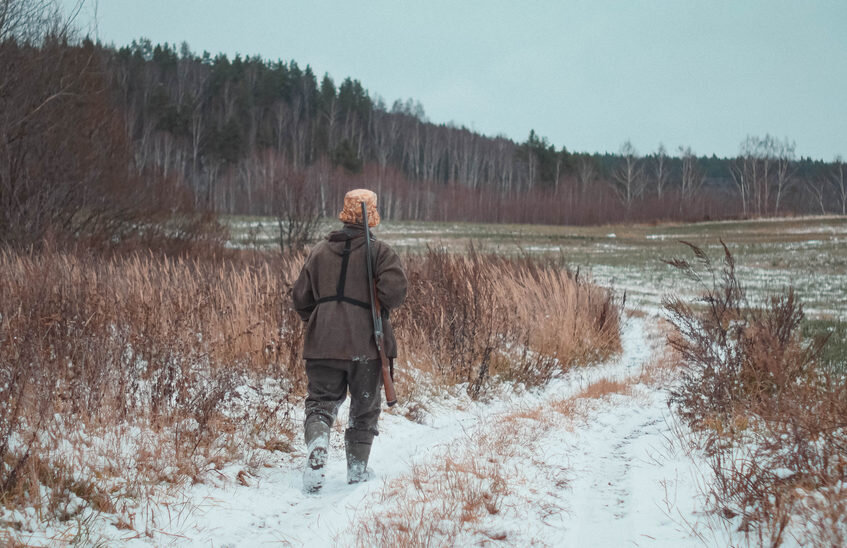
x=572 y=468
x=808 y=253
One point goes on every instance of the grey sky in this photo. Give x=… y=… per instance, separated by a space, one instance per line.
x=587 y=75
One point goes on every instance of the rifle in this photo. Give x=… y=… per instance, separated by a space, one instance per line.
x=376 y=314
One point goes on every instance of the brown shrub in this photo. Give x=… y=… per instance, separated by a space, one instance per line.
x=69 y=173
x=735 y=354
x=772 y=419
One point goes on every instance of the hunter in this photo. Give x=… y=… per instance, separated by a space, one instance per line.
x=332 y=294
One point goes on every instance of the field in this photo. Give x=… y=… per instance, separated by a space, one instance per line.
x=809 y=254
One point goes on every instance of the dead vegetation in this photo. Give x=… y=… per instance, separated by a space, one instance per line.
x=99 y=345
x=162 y=369
x=470 y=317
x=605 y=387
x=771 y=418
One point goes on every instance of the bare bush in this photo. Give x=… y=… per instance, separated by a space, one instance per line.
x=63 y=148
x=27 y=21
x=297 y=207
x=771 y=416
x=736 y=354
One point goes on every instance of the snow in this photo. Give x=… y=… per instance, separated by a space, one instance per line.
x=630 y=487
x=612 y=474
x=783 y=473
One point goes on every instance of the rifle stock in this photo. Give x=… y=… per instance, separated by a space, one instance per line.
x=376 y=314
x=387 y=381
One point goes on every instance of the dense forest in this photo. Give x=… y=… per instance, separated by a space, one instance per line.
x=113 y=133
x=232 y=128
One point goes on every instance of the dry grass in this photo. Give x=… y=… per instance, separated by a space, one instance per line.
x=433 y=505
x=662 y=369
x=770 y=417
x=138 y=361
x=91 y=343
x=569 y=408
x=604 y=387
x=472 y=317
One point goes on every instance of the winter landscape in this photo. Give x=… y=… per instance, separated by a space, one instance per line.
x=645 y=347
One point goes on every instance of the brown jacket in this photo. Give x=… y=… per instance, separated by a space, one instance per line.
x=343 y=330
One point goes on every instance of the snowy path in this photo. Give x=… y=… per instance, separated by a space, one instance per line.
x=626 y=482
x=621 y=485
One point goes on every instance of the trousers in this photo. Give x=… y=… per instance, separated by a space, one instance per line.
x=328 y=384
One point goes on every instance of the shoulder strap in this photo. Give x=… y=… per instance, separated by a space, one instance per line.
x=342 y=281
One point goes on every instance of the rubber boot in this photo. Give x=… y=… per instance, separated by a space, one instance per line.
x=317 y=443
x=357 y=445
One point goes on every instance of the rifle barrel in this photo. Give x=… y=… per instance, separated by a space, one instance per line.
x=387 y=381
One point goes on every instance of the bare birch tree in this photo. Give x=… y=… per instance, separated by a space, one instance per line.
x=586 y=172
x=660 y=169
x=783 y=155
x=691 y=178
x=764 y=167
x=384 y=129
x=817 y=188
x=628 y=177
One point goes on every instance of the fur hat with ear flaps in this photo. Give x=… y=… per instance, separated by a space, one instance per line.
x=352 y=211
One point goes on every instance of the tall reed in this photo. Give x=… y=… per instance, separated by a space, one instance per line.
x=144 y=338
x=472 y=316
x=97 y=340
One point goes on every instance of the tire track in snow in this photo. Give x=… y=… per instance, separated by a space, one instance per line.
x=619 y=471
x=609 y=497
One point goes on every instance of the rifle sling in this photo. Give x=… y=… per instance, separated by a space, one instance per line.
x=342 y=281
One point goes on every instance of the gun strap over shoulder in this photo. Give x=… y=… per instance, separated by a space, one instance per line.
x=342 y=281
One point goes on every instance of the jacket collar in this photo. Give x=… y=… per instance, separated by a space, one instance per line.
x=349 y=232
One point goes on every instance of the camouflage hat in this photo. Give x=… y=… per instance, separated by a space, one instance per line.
x=352 y=211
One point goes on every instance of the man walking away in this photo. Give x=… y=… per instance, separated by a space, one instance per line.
x=333 y=296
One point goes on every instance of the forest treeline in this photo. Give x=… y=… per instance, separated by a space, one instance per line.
x=116 y=134
x=234 y=127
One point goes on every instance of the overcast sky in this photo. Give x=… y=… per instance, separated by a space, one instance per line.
x=587 y=75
